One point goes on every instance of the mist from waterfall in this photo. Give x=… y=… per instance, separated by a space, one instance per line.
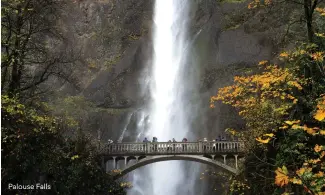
x=171 y=83
x=167 y=114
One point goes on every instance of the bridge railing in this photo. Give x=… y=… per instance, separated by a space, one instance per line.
x=174 y=147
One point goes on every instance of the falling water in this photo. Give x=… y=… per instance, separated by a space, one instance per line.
x=171 y=82
x=168 y=117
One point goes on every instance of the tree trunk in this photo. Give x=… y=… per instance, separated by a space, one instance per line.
x=309 y=19
x=16 y=67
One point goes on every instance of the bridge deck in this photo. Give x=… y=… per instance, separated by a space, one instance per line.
x=173 y=148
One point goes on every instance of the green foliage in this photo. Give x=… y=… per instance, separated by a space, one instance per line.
x=33 y=151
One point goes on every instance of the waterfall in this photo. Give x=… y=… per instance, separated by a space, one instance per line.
x=167 y=114
x=168 y=109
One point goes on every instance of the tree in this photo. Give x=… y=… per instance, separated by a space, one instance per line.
x=281 y=135
x=309 y=7
x=32 y=45
x=34 y=151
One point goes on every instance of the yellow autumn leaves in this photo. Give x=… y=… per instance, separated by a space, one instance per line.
x=257 y=3
x=318 y=148
x=281 y=177
x=317 y=56
x=320 y=113
x=267 y=140
x=304 y=173
x=321 y=11
x=259 y=88
x=265 y=101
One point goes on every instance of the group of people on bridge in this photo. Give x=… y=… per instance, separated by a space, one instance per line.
x=169 y=146
x=155 y=139
x=221 y=143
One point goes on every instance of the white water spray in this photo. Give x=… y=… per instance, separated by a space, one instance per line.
x=168 y=117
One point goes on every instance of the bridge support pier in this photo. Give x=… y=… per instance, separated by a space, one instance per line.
x=125 y=160
x=136 y=159
x=114 y=162
x=236 y=157
x=224 y=159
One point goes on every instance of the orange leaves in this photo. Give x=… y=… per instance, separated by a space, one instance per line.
x=257 y=3
x=320 y=115
x=306 y=52
x=250 y=92
x=212 y=100
x=320 y=112
x=318 y=148
x=284 y=55
x=314 y=161
x=116 y=171
x=292 y=122
x=295 y=84
x=295 y=126
x=253 y=4
x=318 y=56
x=321 y=11
x=269 y=134
x=310 y=131
x=263 y=141
x=281 y=178
x=296 y=181
x=320 y=174
x=262 y=62
x=302 y=170
x=267 y=140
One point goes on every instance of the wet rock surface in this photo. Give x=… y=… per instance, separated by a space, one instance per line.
x=114 y=40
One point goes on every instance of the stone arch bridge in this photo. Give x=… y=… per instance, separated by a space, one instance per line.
x=214 y=153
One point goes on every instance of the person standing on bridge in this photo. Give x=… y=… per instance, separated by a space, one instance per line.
x=205 y=143
x=155 y=140
x=223 y=145
x=169 y=145
x=109 y=142
x=145 y=141
x=174 y=145
x=184 y=144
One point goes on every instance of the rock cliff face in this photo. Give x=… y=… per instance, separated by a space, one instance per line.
x=114 y=40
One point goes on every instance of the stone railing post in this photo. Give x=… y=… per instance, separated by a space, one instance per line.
x=148 y=147
x=200 y=146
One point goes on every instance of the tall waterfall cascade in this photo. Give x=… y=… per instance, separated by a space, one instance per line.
x=168 y=116
x=168 y=119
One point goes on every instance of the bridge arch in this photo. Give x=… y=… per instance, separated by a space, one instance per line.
x=153 y=159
